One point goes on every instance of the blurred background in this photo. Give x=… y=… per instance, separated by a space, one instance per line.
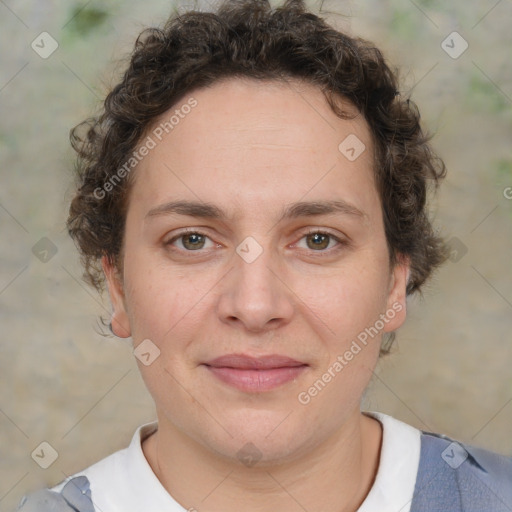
x=65 y=384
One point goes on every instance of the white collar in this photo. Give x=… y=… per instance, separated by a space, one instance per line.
x=125 y=482
x=394 y=484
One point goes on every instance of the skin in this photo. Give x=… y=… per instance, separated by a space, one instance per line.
x=252 y=148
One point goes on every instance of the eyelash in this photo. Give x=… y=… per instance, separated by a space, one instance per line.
x=341 y=242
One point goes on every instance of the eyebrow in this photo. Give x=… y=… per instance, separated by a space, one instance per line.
x=291 y=211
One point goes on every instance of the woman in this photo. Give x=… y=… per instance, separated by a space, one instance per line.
x=254 y=196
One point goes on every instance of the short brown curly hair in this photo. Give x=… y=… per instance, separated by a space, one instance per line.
x=250 y=39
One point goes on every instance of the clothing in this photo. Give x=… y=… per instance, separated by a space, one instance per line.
x=418 y=472
x=75 y=496
x=393 y=488
x=461 y=478
x=125 y=481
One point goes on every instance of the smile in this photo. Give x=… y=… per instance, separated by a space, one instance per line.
x=255 y=374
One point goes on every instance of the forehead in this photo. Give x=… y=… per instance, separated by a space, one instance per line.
x=254 y=142
x=248 y=109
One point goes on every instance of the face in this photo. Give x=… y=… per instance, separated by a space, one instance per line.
x=280 y=269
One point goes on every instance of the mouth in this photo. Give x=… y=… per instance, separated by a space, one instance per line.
x=255 y=374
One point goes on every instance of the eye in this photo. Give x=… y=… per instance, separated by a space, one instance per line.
x=190 y=240
x=319 y=241
x=316 y=240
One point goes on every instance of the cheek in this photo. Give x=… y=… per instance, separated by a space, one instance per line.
x=149 y=299
x=163 y=301
x=350 y=298
x=163 y=307
x=346 y=307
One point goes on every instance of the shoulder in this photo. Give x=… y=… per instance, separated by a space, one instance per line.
x=75 y=496
x=109 y=470
x=107 y=485
x=453 y=476
x=80 y=492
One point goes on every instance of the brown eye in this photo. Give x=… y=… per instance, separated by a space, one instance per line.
x=193 y=241
x=321 y=242
x=318 y=241
x=189 y=241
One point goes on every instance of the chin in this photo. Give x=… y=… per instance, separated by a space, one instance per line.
x=263 y=438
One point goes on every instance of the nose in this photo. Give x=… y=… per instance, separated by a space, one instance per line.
x=254 y=294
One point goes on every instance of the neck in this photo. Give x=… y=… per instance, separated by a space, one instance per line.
x=335 y=476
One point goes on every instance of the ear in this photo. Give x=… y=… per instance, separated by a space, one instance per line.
x=396 y=301
x=120 y=320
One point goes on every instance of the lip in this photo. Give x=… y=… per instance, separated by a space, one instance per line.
x=246 y=362
x=255 y=374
